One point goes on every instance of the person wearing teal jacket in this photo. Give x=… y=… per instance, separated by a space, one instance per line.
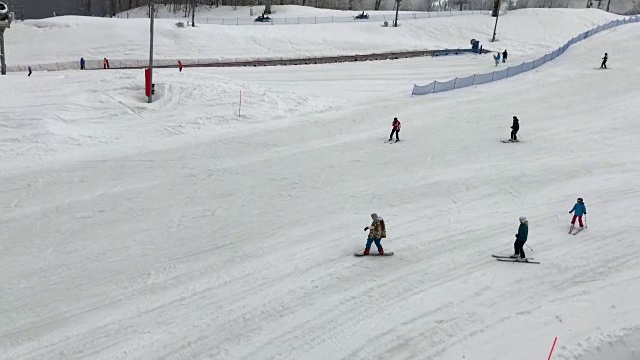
x=521 y=238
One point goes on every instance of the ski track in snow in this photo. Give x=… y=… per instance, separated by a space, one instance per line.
x=180 y=230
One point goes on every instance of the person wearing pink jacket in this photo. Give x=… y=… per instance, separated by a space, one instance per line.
x=395 y=128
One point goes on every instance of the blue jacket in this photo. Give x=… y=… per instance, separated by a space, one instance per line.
x=579 y=209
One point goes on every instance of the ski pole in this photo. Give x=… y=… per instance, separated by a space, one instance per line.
x=528 y=246
x=585 y=221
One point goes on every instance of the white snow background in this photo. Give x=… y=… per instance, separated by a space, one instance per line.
x=184 y=230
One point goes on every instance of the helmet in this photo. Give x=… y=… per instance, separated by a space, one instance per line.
x=580 y=200
x=395 y=118
x=522 y=219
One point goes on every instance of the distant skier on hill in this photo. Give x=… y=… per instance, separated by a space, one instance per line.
x=514 y=129
x=604 y=61
x=578 y=210
x=377 y=232
x=180 y=65
x=496 y=57
x=395 y=128
x=521 y=239
x=504 y=55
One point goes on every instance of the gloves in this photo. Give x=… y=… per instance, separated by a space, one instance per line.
x=366 y=228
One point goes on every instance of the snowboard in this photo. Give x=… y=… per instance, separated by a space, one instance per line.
x=392 y=141
x=361 y=253
x=507 y=141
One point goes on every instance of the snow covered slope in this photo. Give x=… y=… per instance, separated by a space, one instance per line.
x=277 y=11
x=232 y=237
x=526 y=33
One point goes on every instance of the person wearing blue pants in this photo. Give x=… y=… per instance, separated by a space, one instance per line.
x=376 y=233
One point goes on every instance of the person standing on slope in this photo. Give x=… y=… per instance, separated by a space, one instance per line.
x=395 y=128
x=377 y=231
x=604 y=61
x=521 y=238
x=180 y=65
x=514 y=129
x=504 y=55
x=579 y=209
x=496 y=57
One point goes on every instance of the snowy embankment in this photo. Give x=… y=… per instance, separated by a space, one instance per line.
x=527 y=34
x=277 y=11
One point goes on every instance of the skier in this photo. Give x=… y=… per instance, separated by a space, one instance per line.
x=395 y=128
x=496 y=57
x=514 y=129
x=82 y=63
x=30 y=72
x=504 y=55
x=180 y=65
x=578 y=210
x=604 y=61
x=521 y=238
x=377 y=231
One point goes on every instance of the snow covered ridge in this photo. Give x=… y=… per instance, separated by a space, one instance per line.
x=478 y=79
x=308 y=20
x=530 y=33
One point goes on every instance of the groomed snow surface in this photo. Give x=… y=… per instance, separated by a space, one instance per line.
x=184 y=230
x=526 y=33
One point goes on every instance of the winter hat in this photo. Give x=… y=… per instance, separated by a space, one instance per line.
x=580 y=200
x=522 y=219
x=515 y=117
x=374 y=216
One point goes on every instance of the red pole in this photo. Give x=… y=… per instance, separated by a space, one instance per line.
x=552 y=347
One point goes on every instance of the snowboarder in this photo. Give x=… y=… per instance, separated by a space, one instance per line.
x=579 y=209
x=30 y=72
x=504 y=55
x=514 y=129
x=395 y=128
x=180 y=65
x=82 y=63
x=604 y=61
x=377 y=232
x=521 y=238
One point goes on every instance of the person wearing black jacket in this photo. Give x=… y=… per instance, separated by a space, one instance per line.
x=514 y=129
x=604 y=61
x=504 y=55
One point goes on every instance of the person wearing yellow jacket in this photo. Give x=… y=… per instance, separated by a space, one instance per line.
x=377 y=231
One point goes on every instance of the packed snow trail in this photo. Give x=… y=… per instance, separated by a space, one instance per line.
x=241 y=246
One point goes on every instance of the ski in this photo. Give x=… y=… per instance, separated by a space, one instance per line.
x=519 y=261
x=360 y=253
x=577 y=231
x=505 y=257
x=509 y=141
x=571 y=229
